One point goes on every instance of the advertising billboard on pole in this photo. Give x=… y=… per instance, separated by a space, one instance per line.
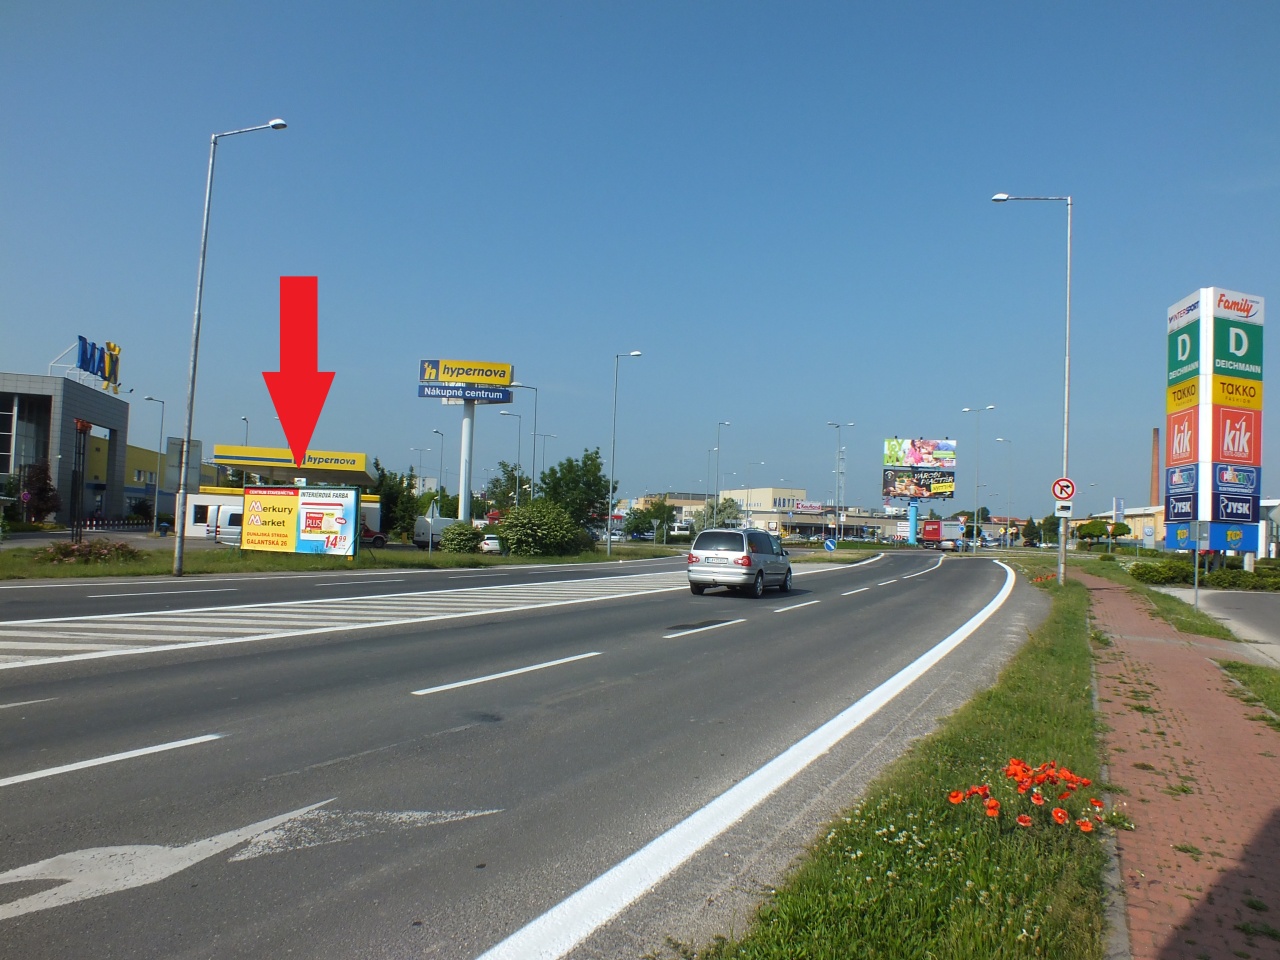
x=925 y=454
x=302 y=520
x=1213 y=418
x=919 y=484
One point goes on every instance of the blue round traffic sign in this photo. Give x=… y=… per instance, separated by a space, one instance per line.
x=830 y=544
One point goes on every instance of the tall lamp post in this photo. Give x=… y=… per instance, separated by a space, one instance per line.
x=613 y=451
x=246 y=430
x=180 y=510
x=839 y=474
x=977 y=464
x=715 y=507
x=440 y=469
x=1066 y=385
x=155 y=509
x=545 y=437
x=1008 y=503
x=533 y=483
x=753 y=463
x=519 y=436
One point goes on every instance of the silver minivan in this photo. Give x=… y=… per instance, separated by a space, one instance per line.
x=743 y=560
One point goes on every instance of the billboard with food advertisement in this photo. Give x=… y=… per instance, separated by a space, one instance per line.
x=920 y=484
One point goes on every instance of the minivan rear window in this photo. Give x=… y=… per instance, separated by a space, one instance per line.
x=718 y=540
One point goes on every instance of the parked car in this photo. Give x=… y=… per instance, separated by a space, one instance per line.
x=947 y=545
x=372 y=538
x=491 y=543
x=742 y=560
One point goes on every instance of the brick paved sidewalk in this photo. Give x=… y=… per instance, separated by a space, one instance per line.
x=1200 y=781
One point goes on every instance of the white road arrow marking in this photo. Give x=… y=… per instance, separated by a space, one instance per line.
x=321 y=827
x=102 y=870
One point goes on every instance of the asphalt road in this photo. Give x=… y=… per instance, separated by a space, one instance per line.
x=427 y=768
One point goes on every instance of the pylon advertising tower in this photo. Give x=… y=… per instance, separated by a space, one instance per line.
x=1213 y=421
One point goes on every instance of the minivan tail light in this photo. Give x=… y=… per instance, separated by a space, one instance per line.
x=693 y=558
x=744 y=560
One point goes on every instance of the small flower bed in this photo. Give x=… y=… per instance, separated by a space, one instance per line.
x=1032 y=782
x=88 y=551
x=1044 y=578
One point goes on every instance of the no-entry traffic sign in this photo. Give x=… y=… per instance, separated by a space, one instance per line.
x=1063 y=489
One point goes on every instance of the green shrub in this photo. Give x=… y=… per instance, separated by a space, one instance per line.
x=1239 y=580
x=540 y=529
x=1108 y=558
x=1166 y=571
x=460 y=538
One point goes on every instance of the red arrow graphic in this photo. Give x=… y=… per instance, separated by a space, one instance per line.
x=298 y=390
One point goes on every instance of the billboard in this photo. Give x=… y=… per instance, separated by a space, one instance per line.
x=301 y=520
x=1213 y=423
x=921 y=453
x=921 y=484
x=466 y=371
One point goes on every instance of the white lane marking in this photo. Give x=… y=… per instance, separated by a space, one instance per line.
x=26 y=703
x=714 y=626
x=474 y=576
x=159 y=593
x=53 y=647
x=850 y=593
x=571 y=921
x=500 y=676
x=101 y=870
x=887 y=582
x=921 y=573
x=99 y=761
x=344 y=583
x=796 y=606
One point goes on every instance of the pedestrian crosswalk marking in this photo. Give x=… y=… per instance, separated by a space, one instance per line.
x=60 y=639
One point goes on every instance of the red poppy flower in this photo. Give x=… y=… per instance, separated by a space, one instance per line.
x=1066 y=794
x=956 y=796
x=1038 y=799
x=1084 y=825
x=1096 y=802
x=1086 y=782
x=1024 y=820
x=1060 y=815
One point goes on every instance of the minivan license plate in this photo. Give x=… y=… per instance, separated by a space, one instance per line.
x=716 y=560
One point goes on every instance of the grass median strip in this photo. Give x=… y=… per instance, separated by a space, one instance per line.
x=907 y=874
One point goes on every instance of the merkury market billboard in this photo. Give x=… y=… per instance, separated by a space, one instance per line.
x=1213 y=418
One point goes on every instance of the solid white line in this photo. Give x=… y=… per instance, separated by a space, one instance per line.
x=714 y=626
x=127 y=755
x=923 y=572
x=887 y=582
x=159 y=593
x=796 y=606
x=500 y=676
x=474 y=576
x=849 y=593
x=571 y=921
x=26 y=703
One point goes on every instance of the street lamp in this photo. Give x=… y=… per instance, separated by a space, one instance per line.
x=753 y=463
x=421 y=451
x=533 y=475
x=519 y=435
x=613 y=451
x=1066 y=387
x=977 y=461
x=246 y=430
x=715 y=507
x=440 y=471
x=180 y=510
x=544 y=437
x=1008 y=504
x=839 y=474
x=155 y=509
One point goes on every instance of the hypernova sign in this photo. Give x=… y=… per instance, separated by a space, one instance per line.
x=1213 y=418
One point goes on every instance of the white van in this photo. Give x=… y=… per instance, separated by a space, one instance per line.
x=224 y=522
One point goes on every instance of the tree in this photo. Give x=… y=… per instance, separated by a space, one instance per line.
x=1049 y=529
x=502 y=486
x=460 y=538
x=43 y=495
x=1092 y=531
x=1120 y=529
x=1030 y=531
x=726 y=514
x=579 y=487
x=398 y=496
x=641 y=521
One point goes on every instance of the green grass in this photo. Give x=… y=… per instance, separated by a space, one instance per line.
x=905 y=874
x=1262 y=684
x=22 y=562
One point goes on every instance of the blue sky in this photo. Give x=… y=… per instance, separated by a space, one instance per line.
x=784 y=206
